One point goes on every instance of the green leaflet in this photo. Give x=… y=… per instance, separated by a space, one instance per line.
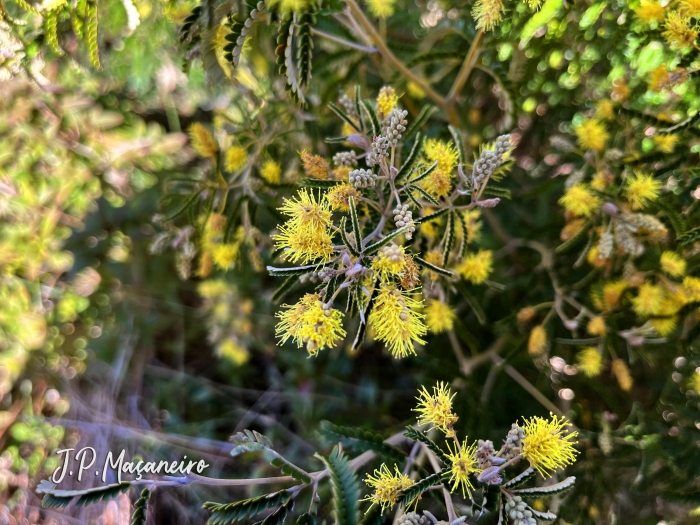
x=249 y=441
x=141 y=508
x=360 y=440
x=417 y=435
x=346 y=488
x=415 y=490
x=227 y=513
x=56 y=498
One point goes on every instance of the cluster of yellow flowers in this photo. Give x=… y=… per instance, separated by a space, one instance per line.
x=545 y=444
x=372 y=251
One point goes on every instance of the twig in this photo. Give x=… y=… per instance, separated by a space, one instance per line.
x=342 y=41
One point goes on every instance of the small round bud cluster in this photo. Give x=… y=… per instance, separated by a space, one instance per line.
x=484 y=453
x=605 y=245
x=361 y=178
x=392 y=252
x=490 y=160
x=325 y=275
x=348 y=105
x=513 y=442
x=380 y=150
x=345 y=158
x=626 y=240
x=518 y=511
x=405 y=311
x=413 y=518
x=394 y=125
x=404 y=217
x=327 y=309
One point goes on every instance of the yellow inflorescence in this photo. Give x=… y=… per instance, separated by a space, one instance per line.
x=592 y=135
x=202 y=140
x=649 y=300
x=396 y=321
x=463 y=466
x=666 y=143
x=381 y=8
x=649 y=11
x=315 y=166
x=271 y=172
x=690 y=8
x=546 y=446
x=390 y=261
x=678 y=32
x=537 y=342
x=387 y=98
x=310 y=323
x=642 y=189
x=590 y=362
x=694 y=383
x=236 y=158
x=580 y=200
x=622 y=374
x=596 y=326
x=673 y=264
x=488 y=13
x=306 y=236
x=387 y=486
x=339 y=196
x=436 y=409
x=476 y=267
x=439 y=316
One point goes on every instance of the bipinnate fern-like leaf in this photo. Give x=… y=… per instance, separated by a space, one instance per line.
x=249 y=441
x=141 y=508
x=227 y=513
x=360 y=440
x=346 y=488
x=417 y=435
x=57 y=498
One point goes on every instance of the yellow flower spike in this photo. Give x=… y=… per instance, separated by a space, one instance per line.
x=236 y=158
x=612 y=292
x=315 y=166
x=381 y=9
x=397 y=322
x=596 y=326
x=231 y=350
x=225 y=255
x=605 y=109
x=537 y=342
x=641 y=189
x=649 y=300
x=690 y=8
x=306 y=236
x=436 y=409
x=202 y=140
x=476 y=267
x=580 y=200
x=678 y=32
x=390 y=261
x=691 y=289
x=673 y=264
x=387 y=98
x=438 y=183
x=439 y=317
x=666 y=143
x=622 y=374
x=590 y=362
x=312 y=323
x=694 y=382
x=463 y=466
x=443 y=152
x=592 y=135
x=546 y=446
x=488 y=13
x=415 y=90
x=339 y=196
x=387 y=486
x=649 y=11
x=271 y=172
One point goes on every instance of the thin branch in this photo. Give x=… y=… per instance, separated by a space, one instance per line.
x=342 y=41
x=466 y=68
